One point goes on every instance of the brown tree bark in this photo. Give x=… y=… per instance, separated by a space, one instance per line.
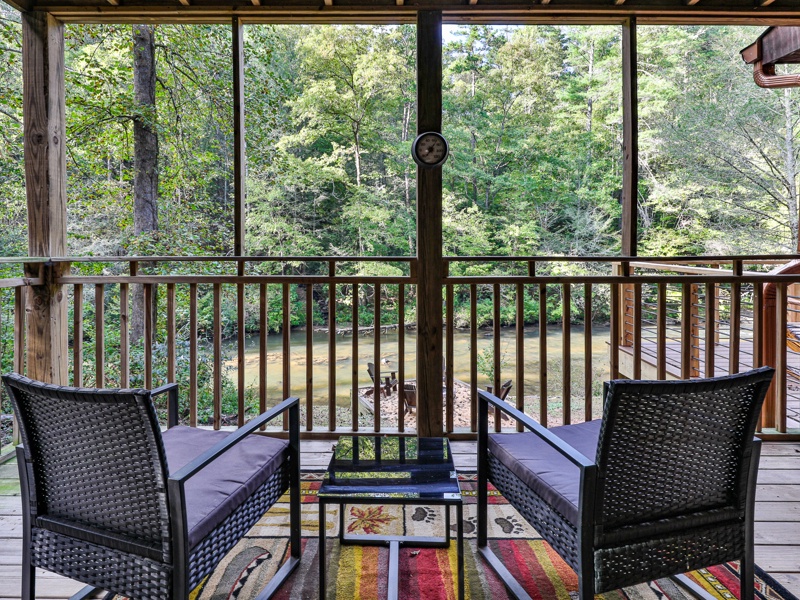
x=145 y=151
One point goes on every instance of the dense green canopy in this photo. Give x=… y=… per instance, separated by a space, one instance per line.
x=532 y=115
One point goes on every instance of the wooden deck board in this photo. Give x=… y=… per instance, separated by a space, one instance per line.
x=777 y=527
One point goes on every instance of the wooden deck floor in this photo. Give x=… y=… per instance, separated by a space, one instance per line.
x=777 y=517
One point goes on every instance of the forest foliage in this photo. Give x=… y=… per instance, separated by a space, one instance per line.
x=533 y=118
x=532 y=115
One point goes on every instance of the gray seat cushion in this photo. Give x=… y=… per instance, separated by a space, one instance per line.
x=543 y=469
x=219 y=489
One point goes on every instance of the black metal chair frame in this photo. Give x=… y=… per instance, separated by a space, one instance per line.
x=181 y=568
x=582 y=546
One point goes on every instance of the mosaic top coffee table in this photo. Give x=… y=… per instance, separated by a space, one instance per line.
x=392 y=470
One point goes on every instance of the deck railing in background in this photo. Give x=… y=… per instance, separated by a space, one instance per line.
x=556 y=327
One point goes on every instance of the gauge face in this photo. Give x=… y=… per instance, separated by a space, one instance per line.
x=429 y=149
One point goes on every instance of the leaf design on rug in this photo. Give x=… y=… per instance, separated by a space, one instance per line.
x=369 y=520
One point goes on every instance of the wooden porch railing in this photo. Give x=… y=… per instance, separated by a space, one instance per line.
x=651 y=315
x=735 y=323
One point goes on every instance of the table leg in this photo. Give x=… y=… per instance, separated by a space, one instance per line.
x=460 y=549
x=321 y=551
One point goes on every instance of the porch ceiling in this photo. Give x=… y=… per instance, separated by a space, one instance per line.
x=742 y=12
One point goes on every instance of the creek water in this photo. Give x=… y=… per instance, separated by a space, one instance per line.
x=389 y=358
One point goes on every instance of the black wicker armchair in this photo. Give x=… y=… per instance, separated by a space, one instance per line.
x=111 y=501
x=663 y=484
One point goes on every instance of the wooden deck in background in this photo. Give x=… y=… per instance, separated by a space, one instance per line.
x=777 y=527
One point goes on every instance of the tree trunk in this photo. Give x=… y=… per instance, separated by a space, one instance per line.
x=145 y=152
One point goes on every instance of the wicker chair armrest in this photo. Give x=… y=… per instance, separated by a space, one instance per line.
x=563 y=448
x=172 y=406
x=184 y=473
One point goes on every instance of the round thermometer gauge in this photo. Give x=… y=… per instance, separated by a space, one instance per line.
x=429 y=149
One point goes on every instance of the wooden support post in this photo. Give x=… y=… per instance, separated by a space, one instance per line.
x=429 y=230
x=630 y=139
x=45 y=186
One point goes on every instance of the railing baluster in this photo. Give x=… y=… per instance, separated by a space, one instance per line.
x=587 y=352
x=149 y=317
x=758 y=338
x=354 y=404
x=449 y=395
x=287 y=348
x=520 y=375
x=241 y=342
x=401 y=356
x=473 y=357
x=332 y=346
x=193 y=354
x=543 y=354
x=694 y=337
x=566 y=354
x=19 y=330
x=615 y=332
x=171 y=350
x=263 y=321
x=496 y=350
x=124 y=336
x=217 y=355
x=735 y=319
x=758 y=324
x=686 y=330
x=309 y=357
x=781 y=302
x=661 y=332
x=77 y=336
x=376 y=323
x=636 y=315
x=711 y=313
x=99 y=336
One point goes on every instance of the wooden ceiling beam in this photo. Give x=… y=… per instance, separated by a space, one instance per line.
x=662 y=12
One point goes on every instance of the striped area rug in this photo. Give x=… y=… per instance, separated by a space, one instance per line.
x=428 y=574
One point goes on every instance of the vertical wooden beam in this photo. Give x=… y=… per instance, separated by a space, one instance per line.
x=630 y=138
x=45 y=186
x=239 y=156
x=429 y=230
